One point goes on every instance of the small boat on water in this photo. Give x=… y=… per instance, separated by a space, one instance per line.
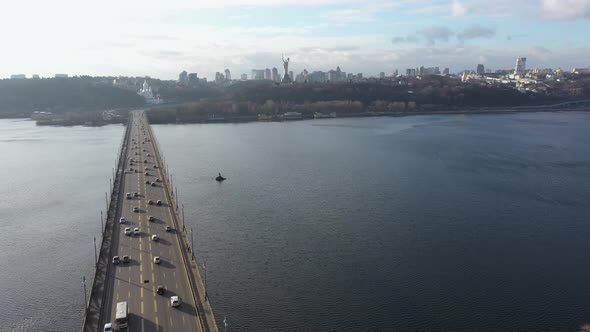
x=219 y=178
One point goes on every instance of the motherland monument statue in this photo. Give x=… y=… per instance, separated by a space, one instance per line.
x=286 y=77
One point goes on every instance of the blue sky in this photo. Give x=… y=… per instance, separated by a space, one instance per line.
x=161 y=38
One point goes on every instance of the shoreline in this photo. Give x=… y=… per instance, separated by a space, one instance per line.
x=243 y=119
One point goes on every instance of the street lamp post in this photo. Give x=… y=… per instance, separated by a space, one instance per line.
x=95 y=257
x=101 y=222
x=183 y=227
x=192 y=245
x=176 y=196
x=85 y=299
x=205 y=268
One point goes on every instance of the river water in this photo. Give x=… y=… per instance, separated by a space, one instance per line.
x=426 y=223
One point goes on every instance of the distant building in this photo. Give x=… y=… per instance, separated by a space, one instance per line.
x=61 y=75
x=147 y=93
x=244 y=77
x=36 y=76
x=446 y=72
x=183 y=77
x=382 y=75
x=257 y=74
x=219 y=77
x=410 y=72
x=480 y=69
x=290 y=73
x=275 y=75
x=267 y=74
x=193 y=78
x=18 y=77
x=520 y=67
x=581 y=71
x=227 y=75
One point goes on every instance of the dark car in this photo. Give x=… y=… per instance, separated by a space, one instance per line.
x=160 y=289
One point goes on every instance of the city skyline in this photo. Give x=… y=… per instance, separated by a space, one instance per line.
x=159 y=39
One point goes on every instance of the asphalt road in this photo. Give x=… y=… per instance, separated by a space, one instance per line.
x=136 y=281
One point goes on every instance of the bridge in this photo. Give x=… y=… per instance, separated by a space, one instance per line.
x=142 y=194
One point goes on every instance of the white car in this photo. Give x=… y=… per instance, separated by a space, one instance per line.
x=174 y=301
x=168 y=228
x=127 y=231
x=136 y=231
x=122 y=220
x=155 y=237
x=108 y=327
x=157 y=260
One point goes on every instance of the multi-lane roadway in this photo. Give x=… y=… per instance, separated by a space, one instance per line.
x=136 y=281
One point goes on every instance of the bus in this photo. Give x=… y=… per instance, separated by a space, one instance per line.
x=122 y=315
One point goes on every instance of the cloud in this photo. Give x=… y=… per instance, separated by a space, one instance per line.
x=406 y=39
x=457 y=9
x=476 y=31
x=566 y=9
x=436 y=33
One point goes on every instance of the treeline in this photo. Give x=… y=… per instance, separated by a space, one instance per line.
x=22 y=97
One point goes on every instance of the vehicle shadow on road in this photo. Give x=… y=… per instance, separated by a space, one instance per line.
x=167 y=265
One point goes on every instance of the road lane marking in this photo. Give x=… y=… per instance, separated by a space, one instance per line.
x=155 y=306
x=129 y=295
x=157 y=323
x=142 y=307
x=183 y=320
x=118 y=282
x=141 y=291
x=170 y=320
x=117 y=297
x=142 y=324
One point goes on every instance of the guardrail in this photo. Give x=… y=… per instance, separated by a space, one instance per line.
x=202 y=307
x=94 y=315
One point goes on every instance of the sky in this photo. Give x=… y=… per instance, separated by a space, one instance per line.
x=160 y=38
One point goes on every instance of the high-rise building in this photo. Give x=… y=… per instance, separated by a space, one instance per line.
x=244 y=77
x=18 y=77
x=520 y=67
x=219 y=77
x=410 y=72
x=291 y=74
x=267 y=74
x=257 y=74
x=36 y=76
x=382 y=75
x=480 y=69
x=227 y=75
x=61 y=75
x=446 y=71
x=183 y=77
x=193 y=78
x=275 y=75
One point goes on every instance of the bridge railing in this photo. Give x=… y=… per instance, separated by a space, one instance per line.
x=95 y=311
x=203 y=308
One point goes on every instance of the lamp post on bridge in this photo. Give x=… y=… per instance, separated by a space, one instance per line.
x=224 y=324
x=205 y=268
x=95 y=257
x=85 y=299
x=183 y=226
x=101 y=223
x=192 y=245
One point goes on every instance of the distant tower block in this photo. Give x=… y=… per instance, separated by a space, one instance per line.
x=520 y=67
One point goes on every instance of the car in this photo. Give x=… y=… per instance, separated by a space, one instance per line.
x=146 y=173
x=175 y=301
x=127 y=231
x=125 y=259
x=122 y=220
x=149 y=155
x=159 y=202
x=150 y=202
x=145 y=161
x=160 y=289
x=155 y=166
x=155 y=237
x=168 y=228
x=157 y=260
x=145 y=168
x=153 y=184
x=128 y=195
x=136 y=209
x=135 y=171
x=151 y=218
x=116 y=260
x=136 y=231
x=108 y=327
x=157 y=180
x=147 y=181
x=136 y=153
x=135 y=194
